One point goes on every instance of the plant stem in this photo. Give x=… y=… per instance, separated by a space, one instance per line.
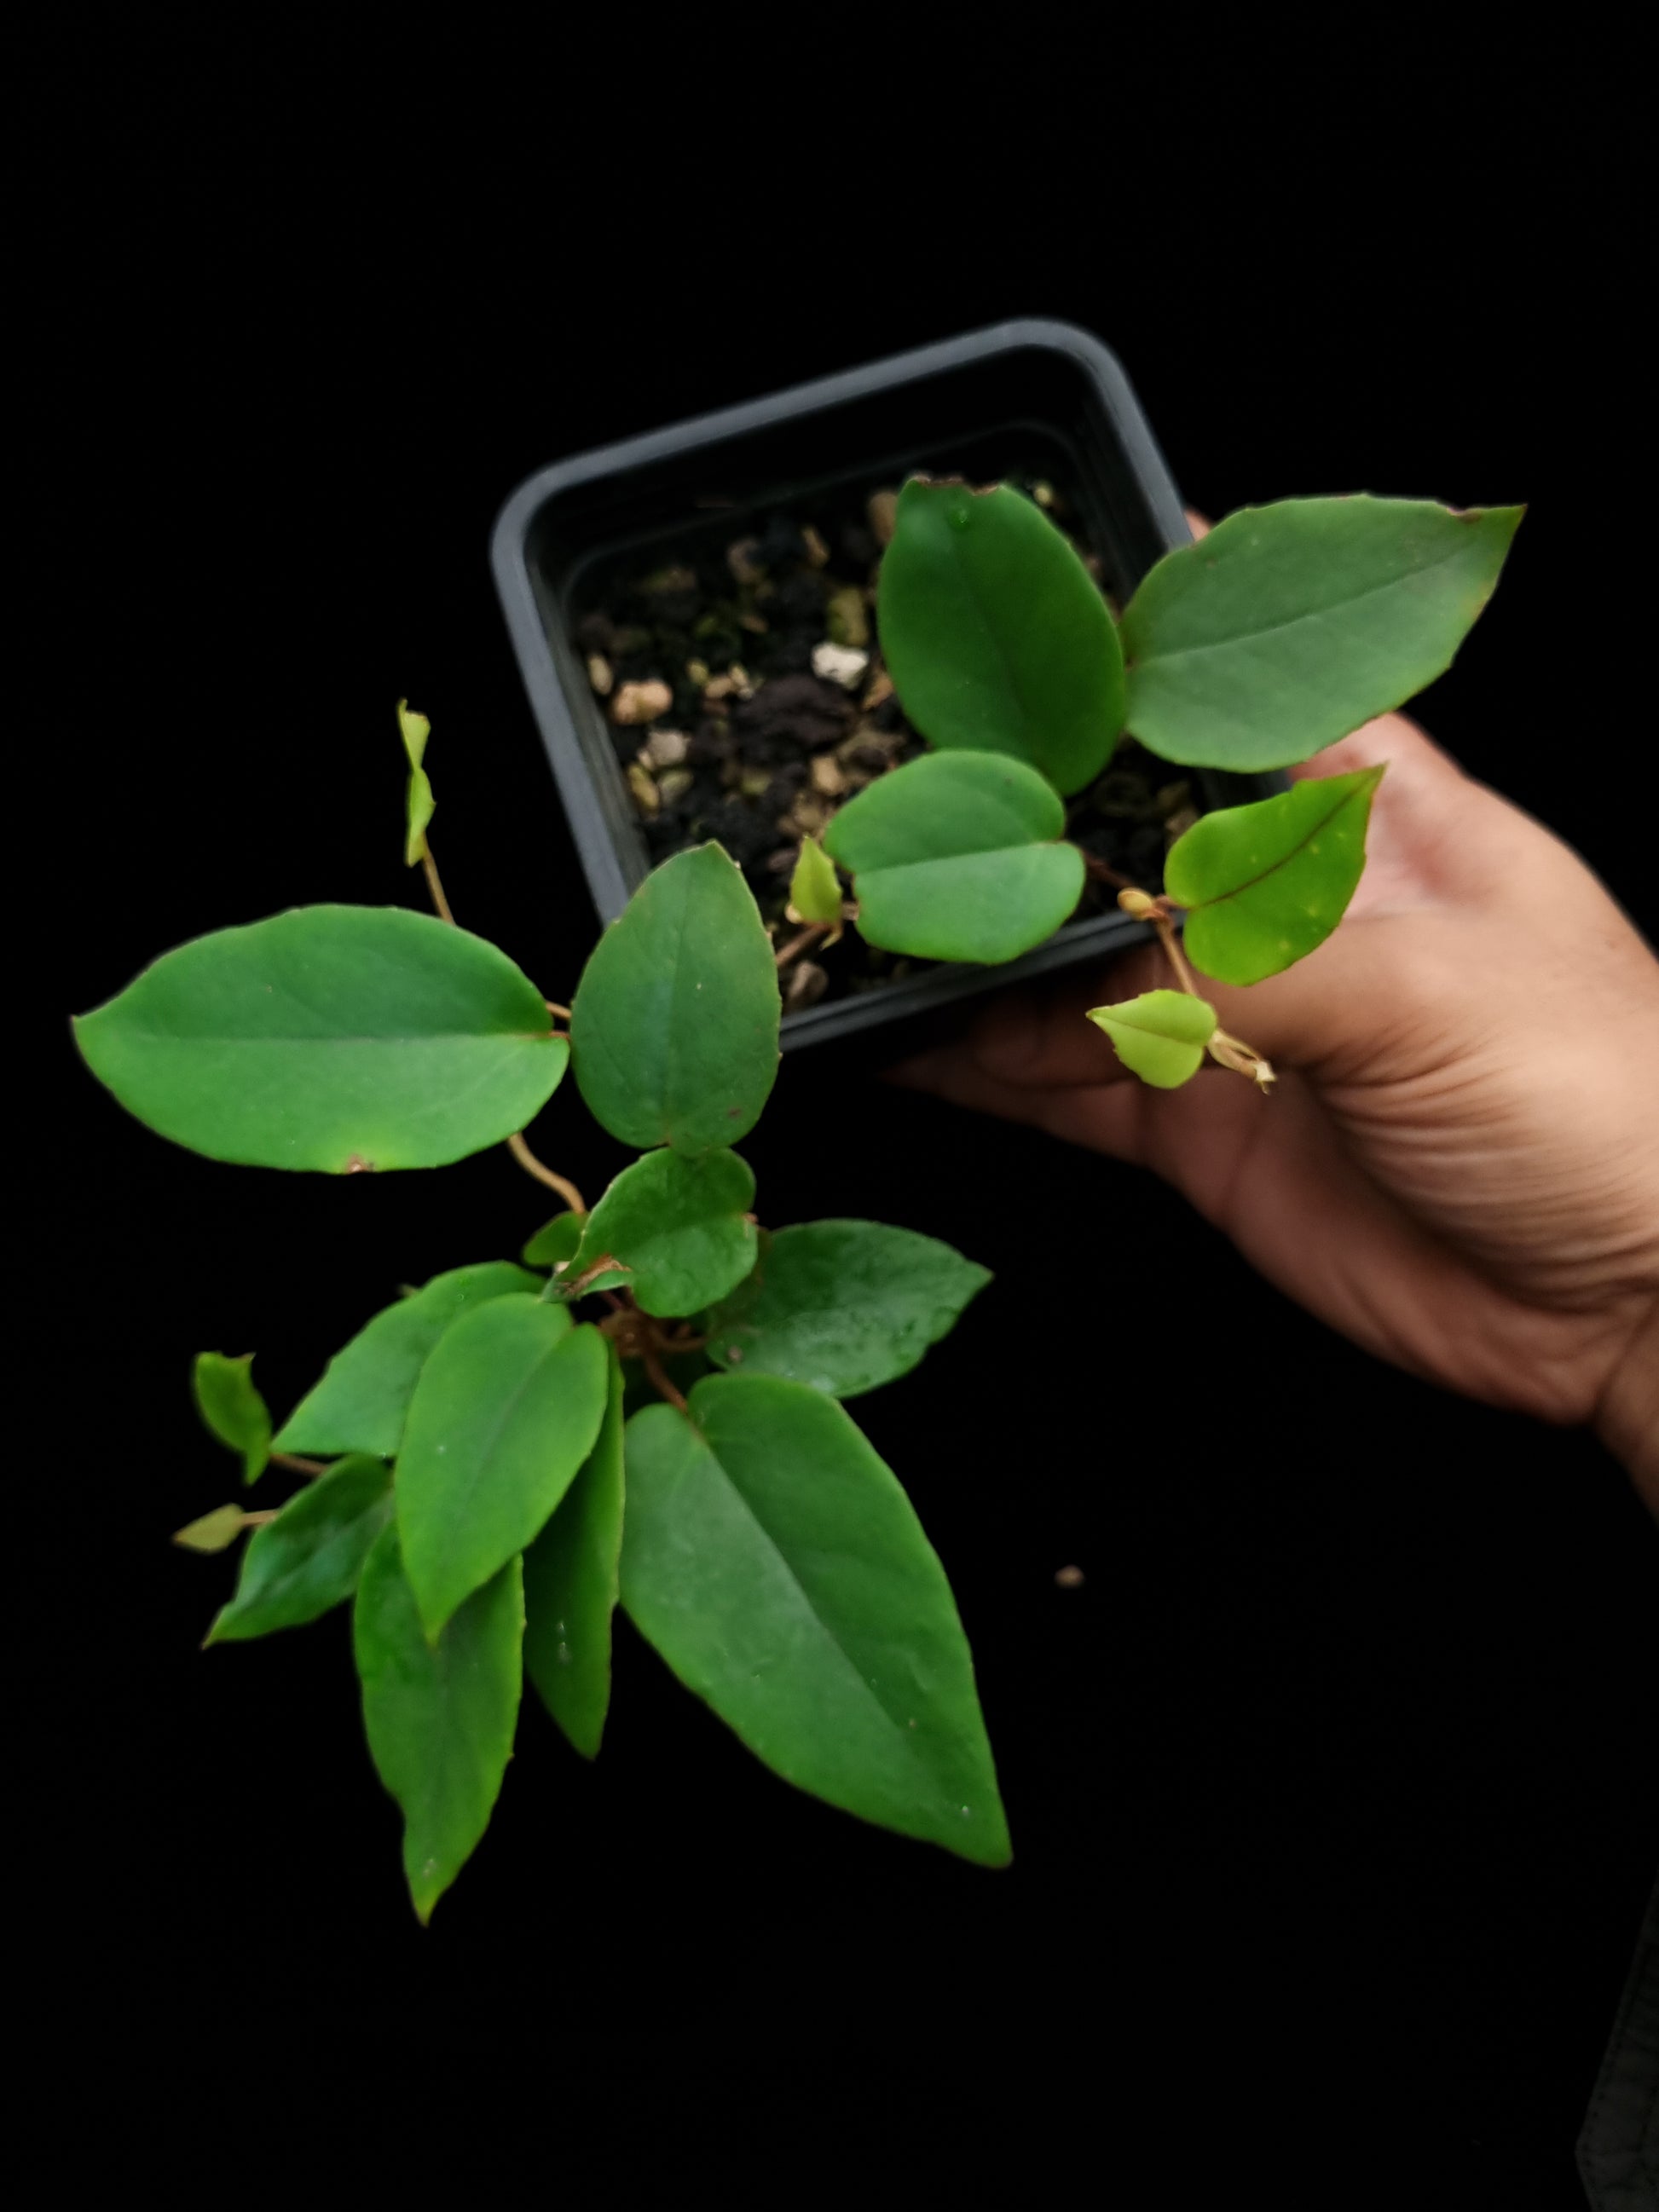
x=785 y=953
x=1103 y=873
x=527 y=1160
x=296 y=1465
x=554 y=1008
x=433 y=885
x=653 y=1368
x=258 y=1520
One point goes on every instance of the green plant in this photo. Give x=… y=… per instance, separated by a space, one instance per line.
x=483 y=1482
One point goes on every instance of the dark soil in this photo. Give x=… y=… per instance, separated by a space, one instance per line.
x=746 y=698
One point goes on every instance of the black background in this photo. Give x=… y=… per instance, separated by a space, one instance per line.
x=1332 y=1788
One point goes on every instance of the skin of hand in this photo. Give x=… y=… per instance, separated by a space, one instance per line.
x=1459 y=1166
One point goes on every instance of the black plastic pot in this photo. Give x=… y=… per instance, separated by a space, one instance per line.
x=1021 y=394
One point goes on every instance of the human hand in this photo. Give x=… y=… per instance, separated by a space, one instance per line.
x=1460 y=1166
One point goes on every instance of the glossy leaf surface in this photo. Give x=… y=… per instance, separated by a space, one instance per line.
x=232 y=1409
x=506 y=1410
x=440 y=1718
x=958 y=856
x=1267 y=883
x=309 y=1559
x=570 y=1585
x=362 y=1400
x=340 y=1038
x=1290 y=625
x=843 y=1305
x=678 y=1225
x=675 y=1025
x=773 y=1561
x=996 y=636
x=1160 y=1036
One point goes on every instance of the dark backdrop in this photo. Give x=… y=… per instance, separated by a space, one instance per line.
x=1330 y=1787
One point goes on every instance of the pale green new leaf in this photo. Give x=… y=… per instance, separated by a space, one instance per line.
x=995 y=635
x=814 y=888
x=843 y=1305
x=309 y=1559
x=440 y=1716
x=773 y=1561
x=679 y=1225
x=506 y=1410
x=213 y=1532
x=339 y=1038
x=1160 y=1036
x=362 y=1400
x=675 y=1023
x=232 y=1409
x=1267 y=883
x=570 y=1585
x=414 y=730
x=958 y=856
x=1290 y=625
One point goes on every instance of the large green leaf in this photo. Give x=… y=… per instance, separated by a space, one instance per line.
x=775 y=1563
x=1290 y=625
x=232 y=1409
x=309 y=1558
x=335 y=1038
x=362 y=1400
x=506 y=1410
x=675 y=1025
x=440 y=1716
x=570 y=1585
x=844 y=1305
x=1160 y=1036
x=958 y=856
x=1265 y=884
x=995 y=633
x=679 y=1225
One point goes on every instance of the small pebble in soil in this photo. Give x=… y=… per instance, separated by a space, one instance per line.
x=641 y=702
x=842 y=663
x=1069 y=1579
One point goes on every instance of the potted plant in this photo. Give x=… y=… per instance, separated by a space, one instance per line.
x=647 y=1406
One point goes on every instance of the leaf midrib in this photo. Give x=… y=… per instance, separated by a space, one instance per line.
x=1283 y=860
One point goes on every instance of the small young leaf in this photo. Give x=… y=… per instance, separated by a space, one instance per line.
x=570 y=1585
x=1290 y=625
x=232 y=1409
x=415 y=729
x=958 y=856
x=675 y=1023
x=440 y=1718
x=995 y=635
x=1160 y=1036
x=775 y=1563
x=214 y=1532
x=554 y=1243
x=362 y=1400
x=1265 y=882
x=506 y=1410
x=843 y=1305
x=333 y=1037
x=309 y=1558
x=815 y=889
x=678 y=1225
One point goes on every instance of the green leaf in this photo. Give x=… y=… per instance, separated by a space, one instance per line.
x=1290 y=625
x=232 y=1409
x=675 y=1025
x=814 y=888
x=307 y=1561
x=415 y=729
x=843 y=1305
x=775 y=1563
x=362 y=1400
x=334 y=1037
x=995 y=635
x=1265 y=884
x=679 y=1226
x=958 y=856
x=440 y=1718
x=506 y=1410
x=1160 y=1036
x=554 y=1243
x=570 y=1585
x=214 y=1532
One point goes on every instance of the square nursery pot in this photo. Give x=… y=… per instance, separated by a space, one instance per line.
x=1030 y=400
